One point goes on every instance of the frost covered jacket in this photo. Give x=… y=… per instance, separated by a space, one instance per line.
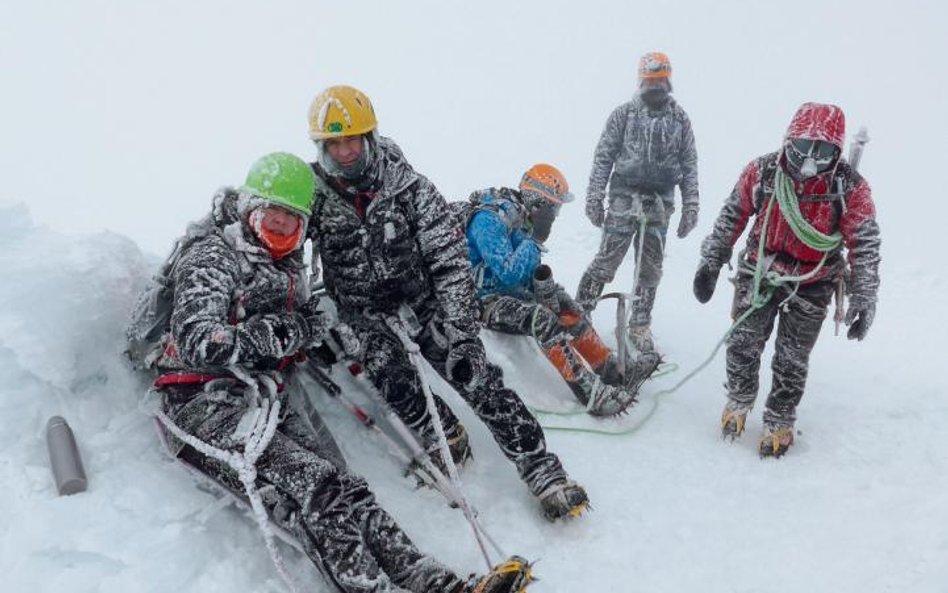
x=222 y=279
x=408 y=248
x=648 y=150
x=837 y=200
x=503 y=253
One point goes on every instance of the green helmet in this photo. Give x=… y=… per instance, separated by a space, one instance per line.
x=283 y=179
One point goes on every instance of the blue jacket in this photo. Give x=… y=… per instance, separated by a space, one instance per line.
x=503 y=253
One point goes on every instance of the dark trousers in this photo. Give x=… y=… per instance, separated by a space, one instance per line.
x=513 y=427
x=329 y=510
x=622 y=228
x=798 y=326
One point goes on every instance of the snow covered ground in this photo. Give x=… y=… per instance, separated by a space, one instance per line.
x=855 y=506
x=126 y=117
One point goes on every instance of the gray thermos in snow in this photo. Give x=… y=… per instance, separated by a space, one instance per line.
x=64 y=457
x=544 y=288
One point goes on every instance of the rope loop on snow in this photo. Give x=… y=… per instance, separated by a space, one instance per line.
x=265 y=420
x=770 y=281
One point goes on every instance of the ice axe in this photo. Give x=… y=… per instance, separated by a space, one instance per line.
x=856 y=149
x=623 y=300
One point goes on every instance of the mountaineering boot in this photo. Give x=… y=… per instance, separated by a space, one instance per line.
x=641 y=338
x=599 y=397
x=588 y=292
x=733 y=419
x=610 y=400
x=564 y=499
x=511 y=576
x=458 y=444
x=640 y=369
x=776 y=440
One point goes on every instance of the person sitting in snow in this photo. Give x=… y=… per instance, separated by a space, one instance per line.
x=241 y=320
x=395 y=263
x=805 y=204
x=505 y=229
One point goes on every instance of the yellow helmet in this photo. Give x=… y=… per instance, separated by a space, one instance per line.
x=341 y=111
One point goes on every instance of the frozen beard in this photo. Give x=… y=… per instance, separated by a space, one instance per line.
x=351 y=172
x=278 y=229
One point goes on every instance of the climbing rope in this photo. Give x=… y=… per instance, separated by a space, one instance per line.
x=264 y=419
x=785 y=197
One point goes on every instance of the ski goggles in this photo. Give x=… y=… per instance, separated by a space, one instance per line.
x=824 y=154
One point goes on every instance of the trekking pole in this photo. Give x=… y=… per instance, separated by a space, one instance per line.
x=410 y=452
x=412 y=464
x=447 y=488
x=414 y=354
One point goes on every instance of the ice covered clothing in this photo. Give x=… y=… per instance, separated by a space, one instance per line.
x=409 y=249
x=642 y=155
x=798 y=327
x=646 y=150
x=513 y=427
x=504 y=258
x=621 y=229
x=838 y=200
x=235 y=314
x=330 y=511
x=232 y=301
x=502 y=251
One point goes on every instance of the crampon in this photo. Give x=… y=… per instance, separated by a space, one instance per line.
x=513 y=575
x=775 y=441
x=566 y=499
x=733 y=419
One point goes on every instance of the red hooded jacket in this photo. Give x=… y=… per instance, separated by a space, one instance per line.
x=836 y=200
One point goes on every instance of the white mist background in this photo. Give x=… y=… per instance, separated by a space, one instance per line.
x=125 y=117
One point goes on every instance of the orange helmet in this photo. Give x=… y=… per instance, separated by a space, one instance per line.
x=547 y=182
x=654 y=64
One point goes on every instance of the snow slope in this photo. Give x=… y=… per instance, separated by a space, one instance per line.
x=126 y=116
x=855 y=506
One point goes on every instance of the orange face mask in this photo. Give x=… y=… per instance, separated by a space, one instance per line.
x=280 y=231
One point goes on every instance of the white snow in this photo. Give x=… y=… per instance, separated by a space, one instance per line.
x=854 y=506
x=122 y=127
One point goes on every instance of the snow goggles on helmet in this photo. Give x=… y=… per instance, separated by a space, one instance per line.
x=549 y=194
x=798 y=150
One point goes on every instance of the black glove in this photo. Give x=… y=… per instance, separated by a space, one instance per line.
x=688 y=221
x=595 y=212
x=467 y=364
x=316 y=322
x=705 y=279
x=859 y=318
x=271 y=336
